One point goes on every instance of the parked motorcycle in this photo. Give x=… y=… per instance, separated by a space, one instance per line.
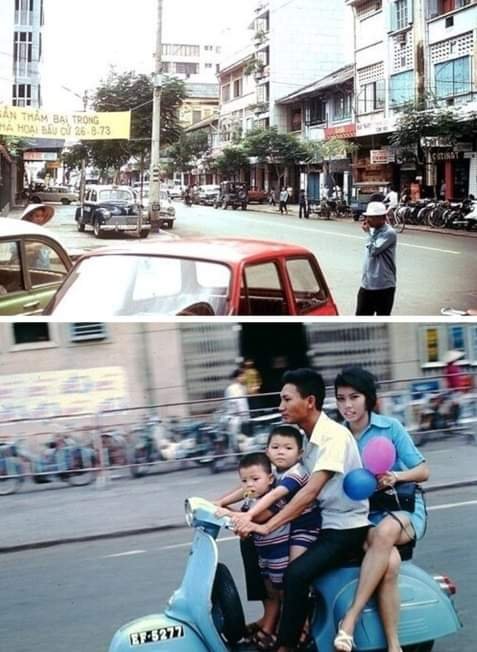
x=61 y=459
x=205 y=613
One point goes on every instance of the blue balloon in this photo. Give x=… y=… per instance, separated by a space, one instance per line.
x=359 y=484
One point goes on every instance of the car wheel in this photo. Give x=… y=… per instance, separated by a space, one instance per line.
x=234 y=206
x=80 y=225
x=35 y=200
x=65 y=202
x=97 y=229
x=144 y=233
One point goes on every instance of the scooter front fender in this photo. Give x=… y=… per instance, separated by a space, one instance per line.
x=426 y=612
x=157 y=633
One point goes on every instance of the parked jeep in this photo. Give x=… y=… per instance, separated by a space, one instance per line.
x=112 y=209
x=232 y=194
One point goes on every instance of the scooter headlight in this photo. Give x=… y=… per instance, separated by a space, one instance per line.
x=189 y=514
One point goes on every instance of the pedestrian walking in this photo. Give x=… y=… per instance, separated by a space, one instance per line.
x=303 y=204
x=378 y=282
x=271 y=197
x=283 y=201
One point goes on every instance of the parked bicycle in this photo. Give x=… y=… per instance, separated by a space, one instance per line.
x=396 y=217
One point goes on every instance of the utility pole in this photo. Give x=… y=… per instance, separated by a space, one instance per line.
x=155 y=176
x=83 y=162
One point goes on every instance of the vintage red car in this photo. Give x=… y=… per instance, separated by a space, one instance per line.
x=197 y=277
x=256 y=195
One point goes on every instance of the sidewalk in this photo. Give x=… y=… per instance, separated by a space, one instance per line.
x=293 y=212
x=46 y=516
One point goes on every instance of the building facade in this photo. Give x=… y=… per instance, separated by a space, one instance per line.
x=409 y=51
x=320 y=112
x=295 y=43
x=197 y=62
x=171 y=366
x=27 y=53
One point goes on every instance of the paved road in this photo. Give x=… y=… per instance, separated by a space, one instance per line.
x=74 y=597
x=434 y=269
x=47 y=514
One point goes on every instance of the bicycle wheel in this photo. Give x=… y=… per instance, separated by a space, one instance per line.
x=436 y=217
x=396 y=220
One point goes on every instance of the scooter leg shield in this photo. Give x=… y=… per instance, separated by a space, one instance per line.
x=427 y=613
x=156 y=633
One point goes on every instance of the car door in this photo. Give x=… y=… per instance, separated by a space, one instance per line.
x=31 y=270
x=263 y=290
x=310 y=292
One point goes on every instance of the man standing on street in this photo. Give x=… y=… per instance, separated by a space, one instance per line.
x=284 y=201
x=378 y=283
x=303 y=204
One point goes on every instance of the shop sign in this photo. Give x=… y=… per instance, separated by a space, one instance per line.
x=434 y=141
x=369 y=127
x=341 y=131
x=381 y=156
x=40 y=156
x=448 y=155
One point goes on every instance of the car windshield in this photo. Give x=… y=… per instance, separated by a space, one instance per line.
x=127 y=285
x=115 y=195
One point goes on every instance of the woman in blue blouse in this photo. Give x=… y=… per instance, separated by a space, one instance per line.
x=355 y=390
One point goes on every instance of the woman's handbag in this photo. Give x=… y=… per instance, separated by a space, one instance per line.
x=395 y=499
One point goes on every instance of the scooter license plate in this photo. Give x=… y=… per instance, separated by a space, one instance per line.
x=156 y=635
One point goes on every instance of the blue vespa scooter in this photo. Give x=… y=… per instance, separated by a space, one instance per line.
x=205 y=613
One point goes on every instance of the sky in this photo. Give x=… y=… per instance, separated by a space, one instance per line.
x=83 y=39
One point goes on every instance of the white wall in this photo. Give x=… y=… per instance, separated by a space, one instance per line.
x=6 y=50
x=308 y=40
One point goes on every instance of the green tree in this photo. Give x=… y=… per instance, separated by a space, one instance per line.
x=132 y=91
x=73 y=157
x=182 y=155
x=445 y=124
x=280 y=150
x=230 y=161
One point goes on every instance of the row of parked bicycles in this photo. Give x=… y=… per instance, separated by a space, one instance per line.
x=429 y=212
x=436 y=214
x=150 y=445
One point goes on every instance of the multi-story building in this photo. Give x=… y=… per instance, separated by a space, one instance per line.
x=407 y=51
x=201 y=101
x=237 y=98
x=197 y=62
x=296 y=43
x=27 y=52
x=319 y=112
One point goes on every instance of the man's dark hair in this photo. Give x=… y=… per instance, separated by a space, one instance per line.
x=362 y=381
x=236 y=373
x=256 y=459
x=308 y=383
x=285 y=430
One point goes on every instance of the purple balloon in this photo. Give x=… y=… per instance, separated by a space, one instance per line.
x=379 y=455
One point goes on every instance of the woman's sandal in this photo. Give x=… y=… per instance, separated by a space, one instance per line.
x=250 y=630
x=264 y=641
x=343 y=641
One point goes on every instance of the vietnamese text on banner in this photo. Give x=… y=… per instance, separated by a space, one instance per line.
x=24 y=122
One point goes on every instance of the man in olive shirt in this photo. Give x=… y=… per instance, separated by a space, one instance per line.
x=378 y=282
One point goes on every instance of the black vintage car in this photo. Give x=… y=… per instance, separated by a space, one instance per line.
x=112 y=209
x=233 y=194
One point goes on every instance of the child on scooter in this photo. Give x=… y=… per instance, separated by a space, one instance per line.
x=269 y=494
